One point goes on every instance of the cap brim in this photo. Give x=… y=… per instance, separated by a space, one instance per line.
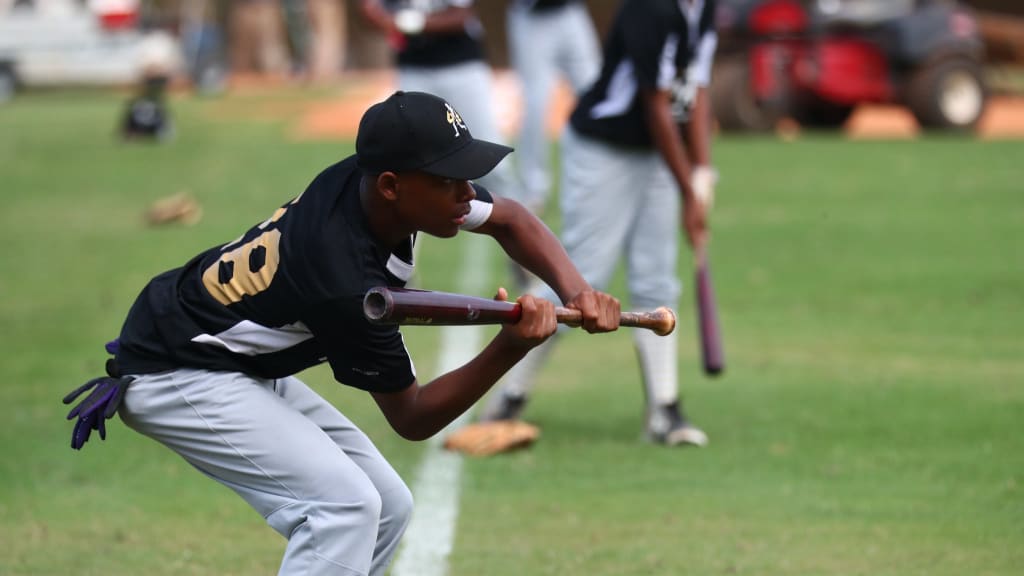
x=470 y=162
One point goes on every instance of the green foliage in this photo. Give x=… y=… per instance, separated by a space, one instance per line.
x=870 y=297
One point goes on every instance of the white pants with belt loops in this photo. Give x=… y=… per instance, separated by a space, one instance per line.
x=317 y=479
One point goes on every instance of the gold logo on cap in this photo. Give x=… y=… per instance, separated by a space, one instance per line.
x=454 y=119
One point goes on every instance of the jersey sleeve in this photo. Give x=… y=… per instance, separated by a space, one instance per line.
x=651 y=43
x=362 y=355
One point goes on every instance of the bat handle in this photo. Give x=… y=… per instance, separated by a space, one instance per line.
x=662 y=320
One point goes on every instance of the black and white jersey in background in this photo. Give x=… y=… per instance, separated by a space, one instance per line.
x=654 y=45
x=428 y=50
x=285 y=296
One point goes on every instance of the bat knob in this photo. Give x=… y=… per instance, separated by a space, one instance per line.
x=665 y=321
x=377 y=304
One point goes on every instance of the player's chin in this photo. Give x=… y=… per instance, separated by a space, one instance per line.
x=448 y=230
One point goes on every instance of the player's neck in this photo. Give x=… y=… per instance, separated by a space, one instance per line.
x=381 y=221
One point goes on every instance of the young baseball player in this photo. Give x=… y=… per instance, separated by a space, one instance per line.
x=206 y=359
x=547 y=39
x=627 y=169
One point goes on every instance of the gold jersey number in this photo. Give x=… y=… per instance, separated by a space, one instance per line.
x=247 y=269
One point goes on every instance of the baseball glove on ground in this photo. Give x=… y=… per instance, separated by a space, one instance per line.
x=488 y=438
x=180 y=207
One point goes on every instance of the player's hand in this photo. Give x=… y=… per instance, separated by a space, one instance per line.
x=703 y=180
x=536 y=323
x=100 y=405
x=601 y=312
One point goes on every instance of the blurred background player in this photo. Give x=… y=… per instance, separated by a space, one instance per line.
x=146 y=115
x=547 y=39
x=626 y=164
x=438 y=47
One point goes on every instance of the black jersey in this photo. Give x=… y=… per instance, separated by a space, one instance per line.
x=650 y=45
x=544 y=5
x=285 y=296
x=146 y=117
x=436 y=49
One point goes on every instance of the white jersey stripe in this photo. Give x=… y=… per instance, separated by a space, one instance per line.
x=400 y=268
x=252 y=339
x=621 y=90
x=667 y=70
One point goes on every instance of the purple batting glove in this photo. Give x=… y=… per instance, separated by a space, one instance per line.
x=100 y=405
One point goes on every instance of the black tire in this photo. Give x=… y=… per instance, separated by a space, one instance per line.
x=948 y=94
x=733 y=102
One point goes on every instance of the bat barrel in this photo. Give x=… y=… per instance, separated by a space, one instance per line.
x=384 y=305
x=712 y=354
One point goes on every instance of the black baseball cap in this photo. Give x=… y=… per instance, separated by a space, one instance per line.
x=419 y=131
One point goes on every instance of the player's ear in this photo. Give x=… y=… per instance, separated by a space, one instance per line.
x=387 y=185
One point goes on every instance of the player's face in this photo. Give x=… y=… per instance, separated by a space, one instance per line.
x=432 y=204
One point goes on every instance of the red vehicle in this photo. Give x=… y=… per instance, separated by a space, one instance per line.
x=816 y=61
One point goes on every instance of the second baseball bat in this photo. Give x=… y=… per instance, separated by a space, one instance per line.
x=707 y=312
x=384 y=305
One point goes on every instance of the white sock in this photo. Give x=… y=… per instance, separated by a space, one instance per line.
x=658 y=362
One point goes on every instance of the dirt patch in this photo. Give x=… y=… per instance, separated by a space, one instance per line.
x=1004 y=118
x=338 y=118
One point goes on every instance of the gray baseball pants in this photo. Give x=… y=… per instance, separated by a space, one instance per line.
x=317 y=479
x=618 y=202
x=543 y=46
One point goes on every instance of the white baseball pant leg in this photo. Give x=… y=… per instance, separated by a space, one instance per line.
x=316 y=478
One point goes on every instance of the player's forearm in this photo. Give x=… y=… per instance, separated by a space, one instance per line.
x=668 y=140
x=528 y=241
x=438 y=403
x=377 y=16
x=698 y=129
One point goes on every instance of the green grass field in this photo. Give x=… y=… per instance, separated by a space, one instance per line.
x=871 y=296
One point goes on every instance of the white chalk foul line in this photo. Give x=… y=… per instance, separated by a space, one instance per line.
x=431 y=533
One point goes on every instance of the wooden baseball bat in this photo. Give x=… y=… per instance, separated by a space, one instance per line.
x=712 y=355
x=384 y=305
